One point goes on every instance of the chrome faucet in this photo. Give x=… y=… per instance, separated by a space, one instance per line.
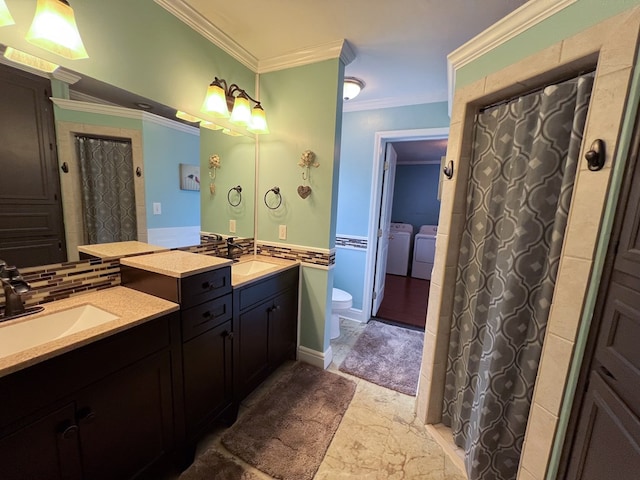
x=14 y=286
x=231 y=246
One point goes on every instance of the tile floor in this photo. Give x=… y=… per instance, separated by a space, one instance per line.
x=379 y=437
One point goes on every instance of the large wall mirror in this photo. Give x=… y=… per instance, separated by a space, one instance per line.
x=169 y=210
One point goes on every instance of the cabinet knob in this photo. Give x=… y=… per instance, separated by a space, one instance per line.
x=206 y=314
x=86 y=415
x=227 y=334
x=67 y=430
x=206 y=285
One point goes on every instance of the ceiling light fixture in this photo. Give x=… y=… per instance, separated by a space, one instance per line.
x=221 y=98
x=17 y=56
x=5 y=15
x=54 y=29
x=352 y=87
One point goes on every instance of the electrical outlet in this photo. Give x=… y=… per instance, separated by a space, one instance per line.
x=282 y=232
x=157 y=208
x=232 y=226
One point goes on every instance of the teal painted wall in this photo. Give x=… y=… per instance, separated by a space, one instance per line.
x=164 y=150
x=358 y=135
x=415 y=195
x=564 y=24
x=237 y=160
x=349 y=273
x=304 y=113
x=139 y=47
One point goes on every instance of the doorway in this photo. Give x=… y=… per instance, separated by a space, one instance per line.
x=406 y=173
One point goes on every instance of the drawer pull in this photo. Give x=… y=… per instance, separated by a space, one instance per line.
x=206 y=285
x=86 y=415
x=206 y=314
x=68 y=430
x=227 y=334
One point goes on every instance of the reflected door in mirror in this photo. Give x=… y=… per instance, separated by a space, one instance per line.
x=31 y=225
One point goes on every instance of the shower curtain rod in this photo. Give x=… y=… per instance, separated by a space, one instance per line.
x=535 y=90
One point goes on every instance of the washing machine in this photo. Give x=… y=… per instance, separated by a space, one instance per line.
x=424 y=250
x=400 y=238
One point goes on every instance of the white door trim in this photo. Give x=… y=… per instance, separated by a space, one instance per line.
x=380 y=141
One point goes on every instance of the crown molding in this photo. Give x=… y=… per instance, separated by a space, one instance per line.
x=208 y=30
x=525 y=17
x=316 y=53
x=357 y=106
x=101 y=109
x=66 y=76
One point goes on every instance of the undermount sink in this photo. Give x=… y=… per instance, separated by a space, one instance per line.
x=31 y=332
x=250 y=267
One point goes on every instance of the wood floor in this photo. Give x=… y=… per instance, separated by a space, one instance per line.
x=405 y=301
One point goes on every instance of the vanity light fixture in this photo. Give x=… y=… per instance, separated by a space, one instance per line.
x=5 y=15
x=54 y=29
x=352 y=87
x=188 y=117
x=221 y=98
x=23 y=58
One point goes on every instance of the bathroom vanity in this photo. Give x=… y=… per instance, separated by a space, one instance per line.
x=180 y=343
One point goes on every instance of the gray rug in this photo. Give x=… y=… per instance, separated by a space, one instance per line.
x=287 y=433
x=211 y=465
x=387 y=355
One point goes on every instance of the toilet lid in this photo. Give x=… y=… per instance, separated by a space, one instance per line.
x=340 y=296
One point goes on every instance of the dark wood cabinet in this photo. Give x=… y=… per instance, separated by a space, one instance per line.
x=266 y=318
x=206 y=341
x=103 y=411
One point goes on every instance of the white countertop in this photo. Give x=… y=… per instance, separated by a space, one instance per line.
x=129 y=306
x=119 y=249
x=176 y=263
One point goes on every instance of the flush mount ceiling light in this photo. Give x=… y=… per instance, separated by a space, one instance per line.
x=17 y=56
x=221 y=98
x=54 y=29
x=5 y=15
x=352 y=87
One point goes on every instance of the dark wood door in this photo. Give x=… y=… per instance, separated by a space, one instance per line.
x=207 y=376
x=47 y=448
x=253 y=348
x=125 y=421
x=31 y=224
x=283 y=321
x=606 y=440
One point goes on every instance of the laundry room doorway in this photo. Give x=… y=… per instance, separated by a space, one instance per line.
x=405 y=194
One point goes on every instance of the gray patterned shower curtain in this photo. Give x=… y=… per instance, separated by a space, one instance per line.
x=108 y=196
x=521 y=180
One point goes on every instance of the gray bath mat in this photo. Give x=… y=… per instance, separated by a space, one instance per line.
x=287 y=433
x=387 y=355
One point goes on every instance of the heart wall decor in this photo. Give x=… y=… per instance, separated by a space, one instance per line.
x=304 y=192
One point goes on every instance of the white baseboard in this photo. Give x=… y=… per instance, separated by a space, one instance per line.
x=315 y=358
x=354 y=314
x=174 y=237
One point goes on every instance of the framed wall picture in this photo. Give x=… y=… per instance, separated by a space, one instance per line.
x=189 y=177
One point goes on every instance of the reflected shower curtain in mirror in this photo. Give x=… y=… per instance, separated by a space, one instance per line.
x=521 y=180
x=108 y=196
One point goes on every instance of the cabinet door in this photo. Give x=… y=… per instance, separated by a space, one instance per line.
x=253 y=351
x=207 y=376
x=45 y=449
x=125 y=420
x=283 y=322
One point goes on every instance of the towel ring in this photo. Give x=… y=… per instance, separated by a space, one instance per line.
x=238 y=190
x=276 y=191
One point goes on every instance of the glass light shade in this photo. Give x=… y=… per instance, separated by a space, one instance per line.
x=351 y=88
x=258 y=121
x=241 y=114
x=54 y=29
x=188 y=117
x=215 y=102
x=231 y=133
x=5 y=15
x=29 y=60
x=210 y=125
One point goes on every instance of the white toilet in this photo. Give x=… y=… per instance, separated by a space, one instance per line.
x=340 y=301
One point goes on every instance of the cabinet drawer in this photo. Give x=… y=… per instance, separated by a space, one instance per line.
x=205 y=286
x=199 y=319
x=260 y=291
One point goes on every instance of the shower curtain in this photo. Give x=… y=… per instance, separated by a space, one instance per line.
x=521 y=180
x=108 y=197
